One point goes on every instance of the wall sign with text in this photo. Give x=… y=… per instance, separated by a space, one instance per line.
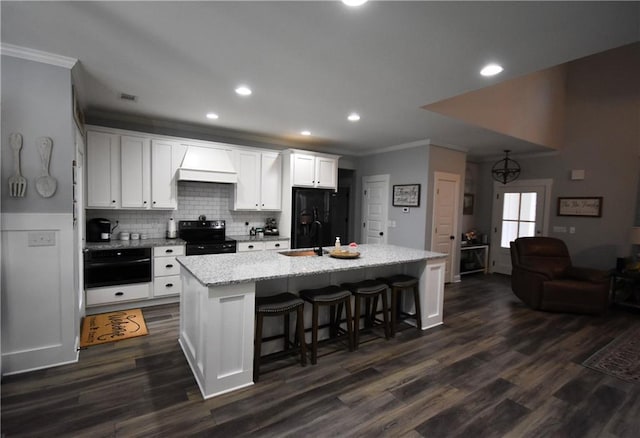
x=582 y=206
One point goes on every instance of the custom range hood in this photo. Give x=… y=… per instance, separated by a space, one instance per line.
x=206 y=164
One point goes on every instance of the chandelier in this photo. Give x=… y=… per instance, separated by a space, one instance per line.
x=505 y=170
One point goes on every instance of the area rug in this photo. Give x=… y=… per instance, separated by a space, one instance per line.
x=111 y=327
x=619 y=358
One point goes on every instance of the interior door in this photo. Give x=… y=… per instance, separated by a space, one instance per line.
x=519 y=210
x=375 y=201
x=445 y=211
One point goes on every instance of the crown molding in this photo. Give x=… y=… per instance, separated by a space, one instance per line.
x=37 y=55
x=397 y=147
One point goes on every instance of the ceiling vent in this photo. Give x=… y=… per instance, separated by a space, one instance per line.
x=128 y=97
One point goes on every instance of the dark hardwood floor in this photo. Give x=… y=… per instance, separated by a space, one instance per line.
x=495 y=368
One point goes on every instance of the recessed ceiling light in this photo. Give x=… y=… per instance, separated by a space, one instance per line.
x=305 y=132
x=353 y=117
x=354 y=2
x=491 y=70
x=212 y=116
x=243 y=90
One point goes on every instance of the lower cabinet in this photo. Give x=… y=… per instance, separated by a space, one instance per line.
x=166 y=270
x=117 y=294
x=262 y=245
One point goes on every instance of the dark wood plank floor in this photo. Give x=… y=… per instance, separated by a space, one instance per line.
x=495 y=368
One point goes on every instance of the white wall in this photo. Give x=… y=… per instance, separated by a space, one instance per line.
x=40 y=321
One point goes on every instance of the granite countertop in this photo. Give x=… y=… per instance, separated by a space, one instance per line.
x=144 y=243
x=221 y=269
x=247 y=238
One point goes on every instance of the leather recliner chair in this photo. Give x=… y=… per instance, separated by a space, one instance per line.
x=543 y=278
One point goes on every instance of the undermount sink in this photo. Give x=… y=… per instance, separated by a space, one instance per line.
x=301 y=253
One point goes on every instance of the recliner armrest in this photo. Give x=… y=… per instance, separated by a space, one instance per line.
x=587 y=274
x=545 y=275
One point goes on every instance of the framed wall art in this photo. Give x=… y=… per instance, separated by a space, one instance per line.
x=467 y=206
x=406 y=195
x=580 y=206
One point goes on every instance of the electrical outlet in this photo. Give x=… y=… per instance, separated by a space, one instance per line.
x=392 y=224
x=42 y=238
x=572 y=230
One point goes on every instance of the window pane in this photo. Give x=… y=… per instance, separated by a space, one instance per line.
x=528 y=207
x=509 y=233
x=527 y=229
x=511 y=206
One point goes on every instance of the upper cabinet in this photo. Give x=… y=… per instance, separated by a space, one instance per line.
x=132 y=172
x=259 y=181
x=103 y=170
x=314 y=170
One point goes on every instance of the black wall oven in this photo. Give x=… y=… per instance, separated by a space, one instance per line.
x=110 y=267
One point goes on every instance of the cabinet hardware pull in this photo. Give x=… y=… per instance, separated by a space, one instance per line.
x=250 y=246
x=169 y=284
x=119 y=294
x=113 y=201
x=169 y=251
x=277 y=245
x=169 y=266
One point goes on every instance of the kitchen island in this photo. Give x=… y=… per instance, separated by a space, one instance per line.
x=218 y=300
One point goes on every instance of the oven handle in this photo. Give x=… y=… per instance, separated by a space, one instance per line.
x=115 y=262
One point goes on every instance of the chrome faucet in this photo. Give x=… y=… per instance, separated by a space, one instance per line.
x=318 y=231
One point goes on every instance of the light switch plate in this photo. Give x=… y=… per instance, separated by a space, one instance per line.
x=42 y=238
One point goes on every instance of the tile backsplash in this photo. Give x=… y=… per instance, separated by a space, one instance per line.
x=213 y=200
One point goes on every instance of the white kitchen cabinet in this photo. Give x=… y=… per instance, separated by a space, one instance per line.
x=259 y=185
x=131 y=172
x=318 y=171
x=103 y=170
x=262 y=245
x=135 y=164
x=166 y=270
x=117 y=294
x=163 y=185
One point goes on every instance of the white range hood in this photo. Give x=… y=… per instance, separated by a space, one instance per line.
x=207 y=164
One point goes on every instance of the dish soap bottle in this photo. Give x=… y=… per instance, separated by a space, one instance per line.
x=337 y=245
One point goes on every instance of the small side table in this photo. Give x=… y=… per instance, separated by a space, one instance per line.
x=625 y=289
x=474 y=258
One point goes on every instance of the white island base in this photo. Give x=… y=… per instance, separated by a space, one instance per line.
x=217 y=321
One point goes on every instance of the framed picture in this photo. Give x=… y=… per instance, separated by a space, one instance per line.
x=580 y=206
x=467 y=206
x=406 y=195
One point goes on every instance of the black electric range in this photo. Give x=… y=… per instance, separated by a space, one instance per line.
x=205 y=237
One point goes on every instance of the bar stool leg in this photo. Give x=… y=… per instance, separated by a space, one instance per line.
x=356 y=323
x=394 y=310
x=287 y=338
x=349 y=323
x=385 y=313
x=314 y=335
x=301 y=340
x=257 y=344
x=416 y=300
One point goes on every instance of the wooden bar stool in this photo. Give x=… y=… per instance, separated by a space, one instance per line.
x=329 y=296
x=399 y=283
x=370 y=290
x=276 y=305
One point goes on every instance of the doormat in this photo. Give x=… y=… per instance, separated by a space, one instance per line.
x=619 y=358
x=111 y=327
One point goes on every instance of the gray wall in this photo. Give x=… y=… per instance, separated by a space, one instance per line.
x=601 y=137
x=36 y=102
x=405 y=166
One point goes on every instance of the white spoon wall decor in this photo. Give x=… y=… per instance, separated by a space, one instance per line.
x=45 y=185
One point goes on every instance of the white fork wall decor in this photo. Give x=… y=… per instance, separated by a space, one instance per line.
x=17 y=182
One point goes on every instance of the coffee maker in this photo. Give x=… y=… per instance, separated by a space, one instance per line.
x=271 y=227
x=98 y=230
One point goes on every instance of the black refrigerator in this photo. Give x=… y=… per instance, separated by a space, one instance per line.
x=329 y=208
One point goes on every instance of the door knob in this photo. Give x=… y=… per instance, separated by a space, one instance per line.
x=451 y=238
x=381 y=233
